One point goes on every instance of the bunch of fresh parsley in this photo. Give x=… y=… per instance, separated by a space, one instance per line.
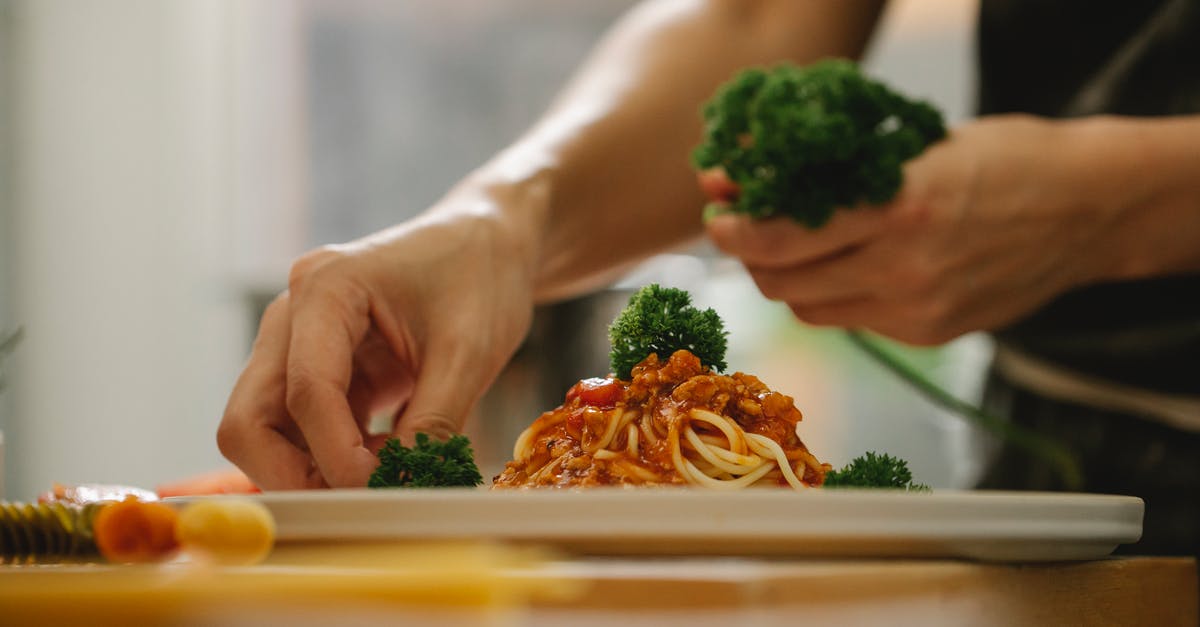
x=804 y=141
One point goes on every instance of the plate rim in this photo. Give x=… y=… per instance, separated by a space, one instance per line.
x=991 y=525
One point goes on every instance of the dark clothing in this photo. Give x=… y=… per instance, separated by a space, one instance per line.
x=1069 y=58
x=1120 y=454
x=1072 y=58
x=1080 y=57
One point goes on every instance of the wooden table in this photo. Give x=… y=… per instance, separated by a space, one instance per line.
x=492 y=587
x=1130 y=591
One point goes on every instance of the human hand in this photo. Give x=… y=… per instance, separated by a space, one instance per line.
x=415 y=321
x=990 y=223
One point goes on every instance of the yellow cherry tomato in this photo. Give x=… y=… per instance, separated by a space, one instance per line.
x=231 y=531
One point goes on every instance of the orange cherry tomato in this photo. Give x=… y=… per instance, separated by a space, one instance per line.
x=133 y=531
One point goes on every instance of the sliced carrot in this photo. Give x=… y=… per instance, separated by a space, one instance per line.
x=135 y=531
x=228 y=481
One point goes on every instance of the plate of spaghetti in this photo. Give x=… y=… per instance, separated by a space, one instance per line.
x=670 y=455
x=681 y=460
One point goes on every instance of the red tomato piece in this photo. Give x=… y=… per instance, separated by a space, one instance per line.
x=598 y=392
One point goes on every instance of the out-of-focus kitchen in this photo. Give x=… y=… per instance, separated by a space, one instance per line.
x=162 y=164
x=165 y=163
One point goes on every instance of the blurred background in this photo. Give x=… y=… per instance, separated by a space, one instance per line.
x=161 y=164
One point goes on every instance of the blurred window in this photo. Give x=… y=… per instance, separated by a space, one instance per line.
x=405 y=98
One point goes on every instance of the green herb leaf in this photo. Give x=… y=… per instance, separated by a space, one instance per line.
x=874 y=471
x=428 y=464
x=804 y=141
x=662 y=320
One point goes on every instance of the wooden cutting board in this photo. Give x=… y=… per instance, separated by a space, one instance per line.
x=492 y=584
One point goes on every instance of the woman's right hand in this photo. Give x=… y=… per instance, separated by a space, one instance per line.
x=415 y=321
x=418 y=320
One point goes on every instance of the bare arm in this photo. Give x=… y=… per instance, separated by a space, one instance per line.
x=1146 y=173
x=1006 y=214
x=417 y=320
x=608 y=164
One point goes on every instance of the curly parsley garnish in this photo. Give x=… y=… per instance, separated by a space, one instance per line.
x=662 y=320
x=428 y=464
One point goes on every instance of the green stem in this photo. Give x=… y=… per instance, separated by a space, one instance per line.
x=1062 y=459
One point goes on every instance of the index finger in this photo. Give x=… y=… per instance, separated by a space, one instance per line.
x=251 y=434
x=328 y=323
x=781 y=242
x=252 y=429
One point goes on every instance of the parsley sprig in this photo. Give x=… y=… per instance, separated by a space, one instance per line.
x=662 y=320
x=428 y=464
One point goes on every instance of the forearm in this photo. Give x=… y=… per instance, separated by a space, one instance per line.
x=1144 y=174
x=604 y=178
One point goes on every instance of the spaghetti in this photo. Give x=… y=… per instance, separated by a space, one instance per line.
x=673 y=423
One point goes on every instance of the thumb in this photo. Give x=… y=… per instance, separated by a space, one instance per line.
x=437 y=425
x=440 y=401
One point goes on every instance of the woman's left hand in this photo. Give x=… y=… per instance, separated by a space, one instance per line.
x=990 y=224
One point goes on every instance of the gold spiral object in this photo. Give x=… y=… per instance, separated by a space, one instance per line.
x=46 y=533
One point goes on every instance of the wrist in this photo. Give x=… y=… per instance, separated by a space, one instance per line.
x=510 y=204
x=1138 y=175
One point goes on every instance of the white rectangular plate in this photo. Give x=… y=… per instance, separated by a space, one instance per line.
x=984 y=525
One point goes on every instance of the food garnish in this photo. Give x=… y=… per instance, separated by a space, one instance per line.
x=804 y=141
x=874 y=470
x=428 y=464
x=667 y=415
x=674 y=422
x=662 y=320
